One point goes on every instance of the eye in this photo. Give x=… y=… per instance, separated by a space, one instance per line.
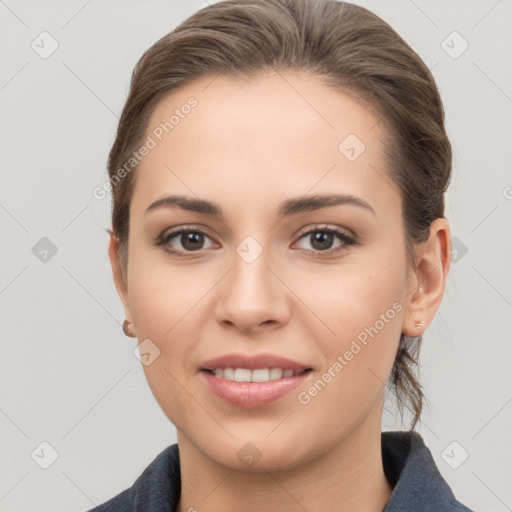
x=191 y=240
x=186 y=241
x=322 y=240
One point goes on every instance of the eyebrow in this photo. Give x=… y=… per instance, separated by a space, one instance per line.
x=289 y=207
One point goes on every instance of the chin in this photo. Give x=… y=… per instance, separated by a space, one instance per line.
x=258 y=455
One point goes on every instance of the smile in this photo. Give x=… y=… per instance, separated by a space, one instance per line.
x=257 y=375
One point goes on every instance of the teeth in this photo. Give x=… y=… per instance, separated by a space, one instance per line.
x=275 y=373
x=259 y=375
x=227 y=373
x=242 y=375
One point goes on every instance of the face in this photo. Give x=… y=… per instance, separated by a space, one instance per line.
x=298 y=264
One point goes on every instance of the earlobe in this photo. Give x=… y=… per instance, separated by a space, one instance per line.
x=427 y=279
x=119 y=279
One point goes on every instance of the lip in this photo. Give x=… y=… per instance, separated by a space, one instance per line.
x=252 y=394
x=253 y=362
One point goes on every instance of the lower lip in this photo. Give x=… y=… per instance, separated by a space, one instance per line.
x=253 y=394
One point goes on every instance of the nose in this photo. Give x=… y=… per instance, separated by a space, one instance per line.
x=252 y=298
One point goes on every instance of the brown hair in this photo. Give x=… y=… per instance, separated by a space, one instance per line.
x=352 y=50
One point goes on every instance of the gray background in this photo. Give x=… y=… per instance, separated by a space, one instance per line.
x=68 y=374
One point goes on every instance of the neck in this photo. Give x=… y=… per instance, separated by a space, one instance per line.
x=348 y=477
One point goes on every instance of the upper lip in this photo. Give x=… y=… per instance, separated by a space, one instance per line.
x=253 y=362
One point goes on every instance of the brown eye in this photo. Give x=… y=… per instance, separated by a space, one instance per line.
x=184 y=241
x=192 y=241
x=323 y=239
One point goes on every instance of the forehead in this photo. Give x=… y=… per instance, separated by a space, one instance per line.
x=293 y=103
x=285 y=129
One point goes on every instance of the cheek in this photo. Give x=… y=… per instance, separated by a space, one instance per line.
x=358 y=358
x=345 y=299
x=170 y=306
x=358 y=312
x=166 y=308
x=161 y=293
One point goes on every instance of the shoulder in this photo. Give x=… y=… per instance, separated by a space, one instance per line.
x=156 y=489
x=412 y=472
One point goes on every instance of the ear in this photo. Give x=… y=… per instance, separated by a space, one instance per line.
x=427 y=278
x=119 y=278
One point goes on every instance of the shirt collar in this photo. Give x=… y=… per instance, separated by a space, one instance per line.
x=413 y=474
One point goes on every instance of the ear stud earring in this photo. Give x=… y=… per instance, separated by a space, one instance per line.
x=419 y=323
x=127 y=330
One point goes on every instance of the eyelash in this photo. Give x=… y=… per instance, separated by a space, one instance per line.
x=347 y=240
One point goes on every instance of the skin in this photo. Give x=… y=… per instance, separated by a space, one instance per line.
x=248 y=146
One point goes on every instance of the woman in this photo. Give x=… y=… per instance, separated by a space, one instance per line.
x=279 y=245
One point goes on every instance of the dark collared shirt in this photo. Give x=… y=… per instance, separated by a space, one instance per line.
x=408 y=464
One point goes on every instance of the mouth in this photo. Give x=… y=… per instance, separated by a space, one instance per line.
x=257 y=375
x=253 y=381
